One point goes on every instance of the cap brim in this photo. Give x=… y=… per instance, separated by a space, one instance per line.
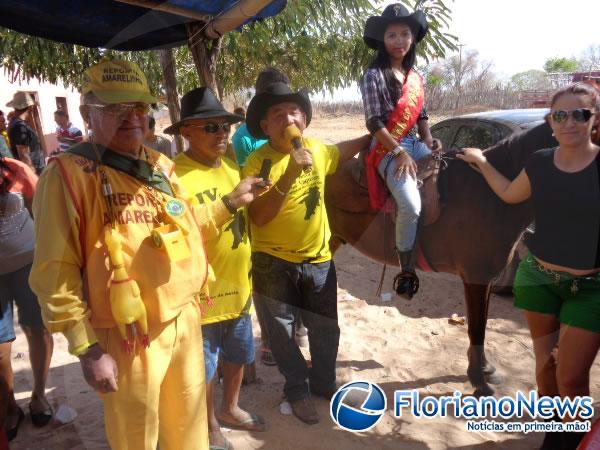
x=125 y=97
x=11 y=104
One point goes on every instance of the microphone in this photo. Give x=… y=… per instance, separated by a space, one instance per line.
x=293 y=134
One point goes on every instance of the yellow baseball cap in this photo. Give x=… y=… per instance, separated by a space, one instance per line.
x=117 y=81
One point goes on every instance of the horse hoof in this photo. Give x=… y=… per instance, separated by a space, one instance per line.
x=483 y=391
x=493 y=378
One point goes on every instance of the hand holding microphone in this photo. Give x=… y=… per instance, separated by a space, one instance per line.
x=299 y=155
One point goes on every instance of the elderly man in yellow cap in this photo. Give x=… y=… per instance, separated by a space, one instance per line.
x=120 y=266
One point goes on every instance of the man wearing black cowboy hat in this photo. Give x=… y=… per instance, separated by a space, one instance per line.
x=208 y=174
x=293 y=274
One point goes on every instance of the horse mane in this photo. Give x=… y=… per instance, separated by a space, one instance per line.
x=510 y=155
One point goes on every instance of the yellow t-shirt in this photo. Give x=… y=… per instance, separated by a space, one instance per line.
x=300 y=231
x=229 y=252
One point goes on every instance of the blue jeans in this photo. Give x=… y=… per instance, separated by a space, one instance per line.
x=283 y=291
x=405 y=192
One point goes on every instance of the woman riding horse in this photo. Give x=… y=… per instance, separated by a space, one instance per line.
x=393 y=98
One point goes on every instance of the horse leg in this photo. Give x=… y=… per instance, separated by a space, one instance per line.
x=480 y=371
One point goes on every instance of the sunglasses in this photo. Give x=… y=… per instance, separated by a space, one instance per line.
x=213 y=128
x=122 y=109
x=580 y=115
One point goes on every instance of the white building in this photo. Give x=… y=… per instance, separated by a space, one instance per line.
x=49 y=97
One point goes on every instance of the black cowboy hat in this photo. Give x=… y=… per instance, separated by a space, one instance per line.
x=274 y=94
x=201 y=103
x=395 y=13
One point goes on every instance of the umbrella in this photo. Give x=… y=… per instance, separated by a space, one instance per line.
x=130 y=24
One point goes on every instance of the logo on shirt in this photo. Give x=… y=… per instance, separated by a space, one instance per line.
x=175 y=208
x=311 y=200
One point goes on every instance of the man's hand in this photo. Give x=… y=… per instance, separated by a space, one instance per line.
x=247 y=190
x=99 y=370
x=300 y=159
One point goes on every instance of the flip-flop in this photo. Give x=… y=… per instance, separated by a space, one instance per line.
x=227 y=446
x=41 y=418
x=12 y=432
x=267 y=358
x=252 y=423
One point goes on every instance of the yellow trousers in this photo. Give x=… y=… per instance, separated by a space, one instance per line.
x=162 y=391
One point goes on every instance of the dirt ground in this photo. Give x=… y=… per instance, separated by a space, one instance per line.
x=397 y=344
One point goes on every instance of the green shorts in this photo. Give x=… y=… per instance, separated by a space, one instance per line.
x=575 y=301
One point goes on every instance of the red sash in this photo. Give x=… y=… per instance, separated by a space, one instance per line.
x=401 y=121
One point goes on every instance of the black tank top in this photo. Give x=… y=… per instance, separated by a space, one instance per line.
x=567 y=212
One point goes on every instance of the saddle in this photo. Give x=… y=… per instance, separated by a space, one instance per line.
x=428 y=171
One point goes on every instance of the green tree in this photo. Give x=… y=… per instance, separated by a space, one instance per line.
x=529 y=80
x=318 y=43
x=561 y=65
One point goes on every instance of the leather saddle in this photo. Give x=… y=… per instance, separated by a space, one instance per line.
x=428 y=172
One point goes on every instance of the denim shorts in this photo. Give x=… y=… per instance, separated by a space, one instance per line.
x=231 y=337
x=575 y=301
x=14 y=286
x=7 y=331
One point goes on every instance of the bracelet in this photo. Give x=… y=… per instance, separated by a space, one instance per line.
x=279 y=191
x=397 y=150
x=227 y=202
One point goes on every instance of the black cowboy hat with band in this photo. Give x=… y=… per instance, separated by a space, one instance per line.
x=274 y=94
x=396 y=13
x=201 y=103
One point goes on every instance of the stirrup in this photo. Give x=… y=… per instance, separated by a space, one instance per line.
x=406 y=284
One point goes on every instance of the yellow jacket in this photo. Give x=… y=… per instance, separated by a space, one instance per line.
x=71 y=271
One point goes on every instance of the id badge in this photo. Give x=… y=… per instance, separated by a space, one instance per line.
x=170 y=239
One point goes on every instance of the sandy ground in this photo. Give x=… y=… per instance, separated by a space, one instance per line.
x=397 y=344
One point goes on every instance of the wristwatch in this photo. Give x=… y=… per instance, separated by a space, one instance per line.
x=232 y=209
x=397 y=150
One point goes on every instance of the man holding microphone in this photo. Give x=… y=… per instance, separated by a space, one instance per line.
x=292 y=269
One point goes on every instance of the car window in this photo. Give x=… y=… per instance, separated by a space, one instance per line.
x=444 y=134
x=476 y=135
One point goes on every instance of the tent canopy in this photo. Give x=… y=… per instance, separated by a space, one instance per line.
x=112 y=24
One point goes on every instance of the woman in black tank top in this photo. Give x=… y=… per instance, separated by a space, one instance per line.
x=558 y=284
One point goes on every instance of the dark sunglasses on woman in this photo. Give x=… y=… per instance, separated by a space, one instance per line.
x=580 y=115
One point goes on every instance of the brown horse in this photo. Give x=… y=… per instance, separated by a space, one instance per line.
x=473 y=238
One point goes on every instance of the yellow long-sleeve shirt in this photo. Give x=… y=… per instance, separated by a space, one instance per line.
x=71 y=271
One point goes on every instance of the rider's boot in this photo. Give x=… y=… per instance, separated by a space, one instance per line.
x=406 y=283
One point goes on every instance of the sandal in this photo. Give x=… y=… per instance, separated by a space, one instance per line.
x=252 y=423
x=267 y=357
x=41 y=418
x=11 y=433
x=227 y=446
